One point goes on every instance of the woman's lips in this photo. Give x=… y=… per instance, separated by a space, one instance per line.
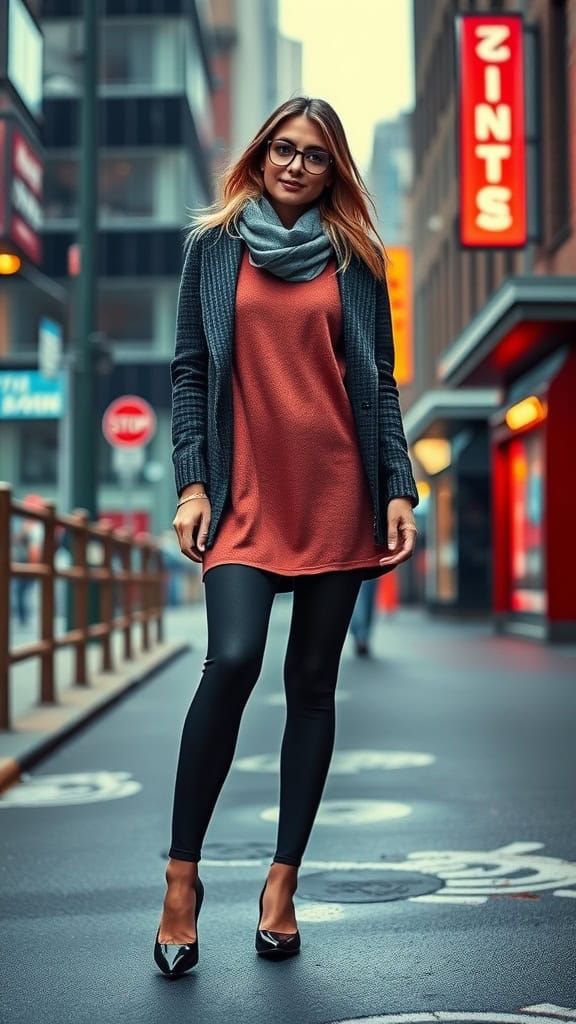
x=291 y=186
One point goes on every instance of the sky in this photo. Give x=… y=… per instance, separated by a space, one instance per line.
x=357 y=55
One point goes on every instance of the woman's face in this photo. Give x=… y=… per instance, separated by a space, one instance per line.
x=293 y=189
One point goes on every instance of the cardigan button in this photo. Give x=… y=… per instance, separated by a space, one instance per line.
x=365 y=405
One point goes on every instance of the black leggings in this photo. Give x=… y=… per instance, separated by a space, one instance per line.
x=238 y=604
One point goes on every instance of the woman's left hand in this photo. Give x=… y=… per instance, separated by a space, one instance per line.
x=402 y=532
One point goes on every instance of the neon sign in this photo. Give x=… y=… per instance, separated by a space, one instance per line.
x=492 y=131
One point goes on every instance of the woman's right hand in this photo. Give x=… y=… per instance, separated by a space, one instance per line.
x=191 y=523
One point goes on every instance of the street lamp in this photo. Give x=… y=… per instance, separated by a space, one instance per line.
x=9 y=263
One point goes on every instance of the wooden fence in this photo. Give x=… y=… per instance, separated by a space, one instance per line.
x=119 y=574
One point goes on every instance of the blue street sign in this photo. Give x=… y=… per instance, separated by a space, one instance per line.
x=29 y=395
x=49 y=347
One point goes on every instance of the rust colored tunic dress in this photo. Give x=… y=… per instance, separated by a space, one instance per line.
x=299 y=500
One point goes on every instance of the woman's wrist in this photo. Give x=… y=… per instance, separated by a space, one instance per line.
x=192 y=489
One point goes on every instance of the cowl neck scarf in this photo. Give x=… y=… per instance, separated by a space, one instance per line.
x=299 y=253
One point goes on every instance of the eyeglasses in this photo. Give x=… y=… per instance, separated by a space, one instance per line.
x=281 y=153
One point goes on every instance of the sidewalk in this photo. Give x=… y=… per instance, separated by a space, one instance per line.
x=37 y=729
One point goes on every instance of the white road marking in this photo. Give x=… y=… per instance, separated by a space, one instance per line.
x=470 y=876
x=556 y=1011
x=76 y=788
x=315 y=913
x=454 y=1016
x=345 y=762
x=435 y=898
x=344 y=813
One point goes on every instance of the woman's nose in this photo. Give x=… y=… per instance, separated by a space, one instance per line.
x=297 y=164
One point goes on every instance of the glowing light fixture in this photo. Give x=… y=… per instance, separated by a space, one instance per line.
x=9 y=263
x=525 y=413
x=424 y=489
x=433 y=453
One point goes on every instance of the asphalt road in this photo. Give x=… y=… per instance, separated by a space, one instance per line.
x=440 y=878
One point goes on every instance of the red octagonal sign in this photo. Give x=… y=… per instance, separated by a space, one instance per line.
x=129 y=422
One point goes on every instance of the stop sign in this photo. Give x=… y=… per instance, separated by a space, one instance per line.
x=128 y=422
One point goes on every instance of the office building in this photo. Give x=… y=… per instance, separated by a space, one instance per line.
x=156 y=138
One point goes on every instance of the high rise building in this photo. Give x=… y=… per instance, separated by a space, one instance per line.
x=156 y=141
x=32 y=306
x=494 y=323
x=256 y=68
x=389 y=178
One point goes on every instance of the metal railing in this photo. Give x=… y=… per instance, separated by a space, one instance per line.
x=128 y=576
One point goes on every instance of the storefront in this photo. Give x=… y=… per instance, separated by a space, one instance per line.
x=449 y=441
x=523 y=343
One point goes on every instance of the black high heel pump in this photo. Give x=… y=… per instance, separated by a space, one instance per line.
x=275 y=945
x=174 y=960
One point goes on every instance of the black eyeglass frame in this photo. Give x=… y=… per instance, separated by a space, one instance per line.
x=299 y=152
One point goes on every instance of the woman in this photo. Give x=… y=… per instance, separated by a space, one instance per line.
x=292 y=474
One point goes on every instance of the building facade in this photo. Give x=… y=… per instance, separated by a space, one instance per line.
x=389 y=179
x=156 y=139
x=494 y=338
x=256 y=68
x=33 y=307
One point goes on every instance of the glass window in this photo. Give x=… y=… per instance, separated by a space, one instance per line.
x=39 y=452
x=148 y=53
x=526 y=511
x=63 y=46
x=127 y=187
x=127 y=314
x=126 y=55
x=138 y=186
x=60 y=189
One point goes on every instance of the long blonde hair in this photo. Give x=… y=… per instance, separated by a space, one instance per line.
x=344 y=206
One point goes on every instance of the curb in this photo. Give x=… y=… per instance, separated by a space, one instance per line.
x=11 y=768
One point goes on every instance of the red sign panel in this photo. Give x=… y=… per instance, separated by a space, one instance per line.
x=26 y=197
x=20 y=192
x=2 y=177
x=128 y=422
x=492 y=131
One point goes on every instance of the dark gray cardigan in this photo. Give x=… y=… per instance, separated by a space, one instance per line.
x=201 y=372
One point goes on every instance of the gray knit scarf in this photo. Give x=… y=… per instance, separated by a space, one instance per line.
x=299 y=253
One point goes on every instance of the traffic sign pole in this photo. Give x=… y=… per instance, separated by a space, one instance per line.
x=128 y=424
x=83 y=454
x=127 y=463
x=84 y=475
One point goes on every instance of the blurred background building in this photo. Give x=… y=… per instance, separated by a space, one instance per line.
x=183 y=84
x=495 y=366
x=33 y=307
x=389 y=178
x=255 y=67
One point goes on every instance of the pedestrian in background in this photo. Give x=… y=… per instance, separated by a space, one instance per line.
x=292 y=473
x=22 y=552
x=363 y=617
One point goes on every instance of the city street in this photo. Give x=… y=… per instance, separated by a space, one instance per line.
x=439 y=884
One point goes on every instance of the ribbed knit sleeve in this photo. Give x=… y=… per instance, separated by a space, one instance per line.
x=189 y=373
x=393 y=449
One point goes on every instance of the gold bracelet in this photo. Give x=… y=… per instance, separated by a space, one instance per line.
x=198 y=494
